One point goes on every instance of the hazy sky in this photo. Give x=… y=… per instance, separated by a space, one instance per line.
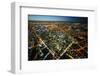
x=56 y=18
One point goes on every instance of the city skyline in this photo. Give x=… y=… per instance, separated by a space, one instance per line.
x=57 y=18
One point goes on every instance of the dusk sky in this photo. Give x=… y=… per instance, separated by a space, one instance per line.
x=56 y=18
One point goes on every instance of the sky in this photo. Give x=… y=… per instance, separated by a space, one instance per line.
x=56 y=18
